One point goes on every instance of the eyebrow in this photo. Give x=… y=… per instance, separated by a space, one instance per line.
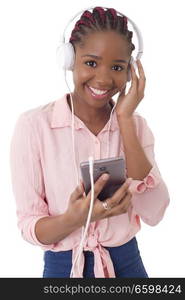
x=99 y=57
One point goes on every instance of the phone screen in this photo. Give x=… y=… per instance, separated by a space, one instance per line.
x=115 y=167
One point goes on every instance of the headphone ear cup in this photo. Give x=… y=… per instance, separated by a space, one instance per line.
x=65 y=56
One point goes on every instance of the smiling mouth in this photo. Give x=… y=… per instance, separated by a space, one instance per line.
x=97 y=93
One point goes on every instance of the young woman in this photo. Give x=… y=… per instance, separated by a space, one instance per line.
x=51 y=208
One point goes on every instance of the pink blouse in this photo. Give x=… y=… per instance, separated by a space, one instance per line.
x=43 y=179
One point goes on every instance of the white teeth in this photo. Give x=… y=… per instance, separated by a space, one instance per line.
x=98 y=92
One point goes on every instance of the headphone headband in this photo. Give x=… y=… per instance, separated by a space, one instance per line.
x=135 y=27
x=65 y=51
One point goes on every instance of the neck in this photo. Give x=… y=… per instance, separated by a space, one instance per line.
x=90 y=114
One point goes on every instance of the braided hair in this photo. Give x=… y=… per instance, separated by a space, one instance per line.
x=101 y=20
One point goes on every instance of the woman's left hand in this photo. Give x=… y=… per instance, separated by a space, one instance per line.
x=127 y=104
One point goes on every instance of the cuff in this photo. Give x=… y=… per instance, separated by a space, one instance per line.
x=149 y=182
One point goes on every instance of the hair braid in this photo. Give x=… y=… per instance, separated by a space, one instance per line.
x=99 y=15
x=101 y=20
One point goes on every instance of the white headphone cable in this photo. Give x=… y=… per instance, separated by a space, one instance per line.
x=110 y=119
x=91 y=162
x=72 y=132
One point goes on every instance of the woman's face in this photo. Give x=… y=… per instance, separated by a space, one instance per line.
x=101 y=66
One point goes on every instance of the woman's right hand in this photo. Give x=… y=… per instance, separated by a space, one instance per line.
x=79 y=204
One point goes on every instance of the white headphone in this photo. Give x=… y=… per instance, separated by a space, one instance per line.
x=65 y=53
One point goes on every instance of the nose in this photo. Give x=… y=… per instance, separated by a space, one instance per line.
x=103 y=78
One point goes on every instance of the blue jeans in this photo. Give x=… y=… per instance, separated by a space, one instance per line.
x=126 y=260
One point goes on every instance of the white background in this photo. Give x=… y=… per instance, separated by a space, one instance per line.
x=29 y=35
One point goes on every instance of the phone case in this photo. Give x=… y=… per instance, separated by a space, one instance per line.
x=114 y=166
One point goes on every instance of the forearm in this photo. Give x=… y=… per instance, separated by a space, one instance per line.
x=53 y=229
x=138 y=166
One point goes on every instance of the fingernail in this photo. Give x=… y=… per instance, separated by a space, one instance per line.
x=81 y=187
x=129 y=180
x=105 y=176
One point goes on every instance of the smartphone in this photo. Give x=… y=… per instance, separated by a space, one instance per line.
x=114 y=166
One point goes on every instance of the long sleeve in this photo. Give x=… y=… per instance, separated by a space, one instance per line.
x=150 y=195
x=27 y=179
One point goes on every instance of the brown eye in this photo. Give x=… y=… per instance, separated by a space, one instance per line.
x=91 y=63
x=117 y=68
